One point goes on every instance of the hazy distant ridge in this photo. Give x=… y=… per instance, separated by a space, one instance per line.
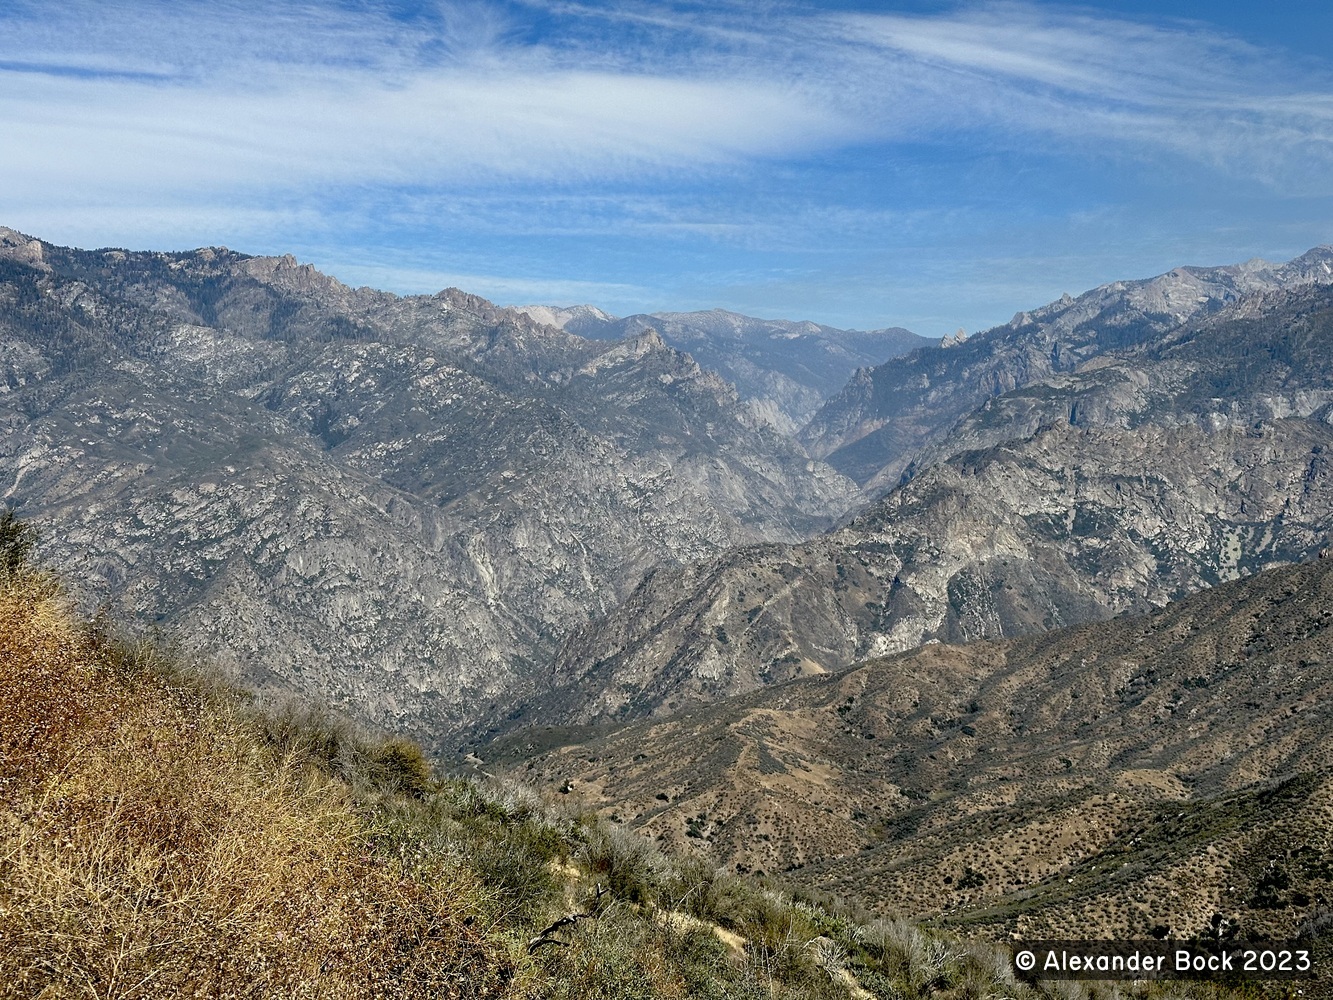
x=875 y=427
x=1161 y=463
x=784 y=369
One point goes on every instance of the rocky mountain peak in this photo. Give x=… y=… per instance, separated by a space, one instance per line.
x=634 y=348
x=21 y=248
x=287 y=273
x=873 y=436
x=783 y=369
x=395 y=504
x=561 y=317
x=1313 y=266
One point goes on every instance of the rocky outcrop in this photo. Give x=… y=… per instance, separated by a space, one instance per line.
x=785 y=370
x=397 y=505
x=875 y=428
x=1144 y=474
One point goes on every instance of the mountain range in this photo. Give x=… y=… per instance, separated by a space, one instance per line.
x=875 y=428
x=452 y=519
x=785 y=370
x=1159 y=464
x=1025 y=632
x=396 y=505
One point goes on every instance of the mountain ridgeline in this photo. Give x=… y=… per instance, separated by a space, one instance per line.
x=785 y=370
x=1141 y=776
x=451 y=519
x=1157 y=465
x=396 y=505
x=875 y=428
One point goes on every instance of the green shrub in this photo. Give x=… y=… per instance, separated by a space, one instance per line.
x=971 y=879
x=627 y=864
x=399 y=765
x=612 y=958
x=307 y=735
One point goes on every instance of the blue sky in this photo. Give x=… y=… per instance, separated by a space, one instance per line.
x=924 y=164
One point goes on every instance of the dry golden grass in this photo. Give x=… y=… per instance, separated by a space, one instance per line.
x=159 y=840
x=151 y=846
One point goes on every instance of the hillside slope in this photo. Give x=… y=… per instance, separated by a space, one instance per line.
x=1118 y=779
x=160 y=836
x=155 y=842
x=398 y=505
x=1144 y=475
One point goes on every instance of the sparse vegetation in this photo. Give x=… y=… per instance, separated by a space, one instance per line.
x=971 y=879
x=162 y=835
x=153 y=843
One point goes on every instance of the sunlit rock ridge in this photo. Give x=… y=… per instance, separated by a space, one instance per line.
x=1100 y=455
x=785 y=370
x=874 y=428
x=398 y=505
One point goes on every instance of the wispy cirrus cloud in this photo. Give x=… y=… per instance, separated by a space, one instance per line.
x=1071 y=79
x=443 y=127
x=704 y=129
x=240 y=93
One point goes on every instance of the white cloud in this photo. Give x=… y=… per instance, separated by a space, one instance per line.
x=1072 y=80
x=307 y=125
x=187 y=100
x=445 y=126
x=234 y=96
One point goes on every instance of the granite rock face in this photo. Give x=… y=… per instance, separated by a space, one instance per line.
x=784 y=370
x=396 y=505
x=875 y=428
x=1143 y=473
